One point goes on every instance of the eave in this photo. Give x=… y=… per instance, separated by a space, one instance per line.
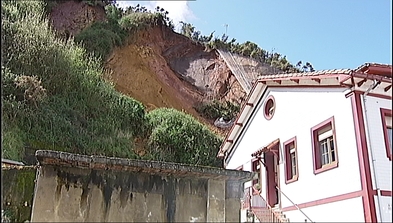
x=246 y=111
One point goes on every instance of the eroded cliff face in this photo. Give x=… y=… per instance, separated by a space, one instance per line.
x=162 y=68
x=157 y=66
x=70 y=17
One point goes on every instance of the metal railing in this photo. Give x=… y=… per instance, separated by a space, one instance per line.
x=294 y=204
x=257 y=204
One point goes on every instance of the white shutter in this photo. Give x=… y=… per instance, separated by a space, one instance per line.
x=325 y=133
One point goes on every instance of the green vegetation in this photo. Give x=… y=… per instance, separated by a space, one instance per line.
x=55 y=97
x=216 y=109
x=179 y=136
x=102 y=36
x=247 y=48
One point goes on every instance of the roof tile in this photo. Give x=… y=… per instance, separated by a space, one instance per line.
x=314 y=73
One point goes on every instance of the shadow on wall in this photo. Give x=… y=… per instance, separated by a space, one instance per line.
x=78 y=188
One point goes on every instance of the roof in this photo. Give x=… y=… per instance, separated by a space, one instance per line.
x=63 y=159
x=376 y=68
x=306 y=74
x=373 y=77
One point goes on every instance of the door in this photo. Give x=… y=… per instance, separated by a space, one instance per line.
x=271 y=159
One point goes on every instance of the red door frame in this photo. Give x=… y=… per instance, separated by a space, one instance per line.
x=272 y=176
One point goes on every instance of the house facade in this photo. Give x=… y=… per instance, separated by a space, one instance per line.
x=321 y=143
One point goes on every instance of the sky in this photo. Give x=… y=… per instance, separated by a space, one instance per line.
x=330 y=34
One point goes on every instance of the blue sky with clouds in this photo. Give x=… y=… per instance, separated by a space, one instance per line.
x=328 y=33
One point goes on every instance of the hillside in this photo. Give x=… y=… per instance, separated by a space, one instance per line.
x=94 y=80
x=162 y=68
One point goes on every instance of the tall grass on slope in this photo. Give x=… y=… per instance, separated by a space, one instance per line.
x=80 y=112
x=179 y=137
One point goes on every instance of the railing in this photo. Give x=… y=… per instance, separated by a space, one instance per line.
x=254 y=201
x=236 y=69
x=294 y=204
x=246 y=200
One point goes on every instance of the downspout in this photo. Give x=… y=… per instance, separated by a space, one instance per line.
x=373 y=86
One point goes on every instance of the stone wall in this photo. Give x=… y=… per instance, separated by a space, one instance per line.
x=76 y=188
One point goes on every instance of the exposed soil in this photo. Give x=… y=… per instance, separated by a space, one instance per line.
x=158 y=66
x=70 y=17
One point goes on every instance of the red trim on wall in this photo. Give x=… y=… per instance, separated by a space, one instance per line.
x=364 y=163
x=370 y=95
x=386 y=193
x=380 y=96
x=386 y=113
x=305 y=86
x=327 y=200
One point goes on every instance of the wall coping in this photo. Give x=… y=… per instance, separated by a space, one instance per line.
x=64 y=159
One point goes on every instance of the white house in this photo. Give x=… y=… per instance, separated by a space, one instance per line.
x=321 y=143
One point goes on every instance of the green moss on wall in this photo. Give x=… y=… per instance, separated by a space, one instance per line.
x=18 y=191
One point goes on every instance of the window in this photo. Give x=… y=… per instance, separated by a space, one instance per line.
x=387 y=130
x=270 y=107
x=324 y=146
x=291 y=165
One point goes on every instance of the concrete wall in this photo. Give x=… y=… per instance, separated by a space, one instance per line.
x=134 y=191
x=17 y=192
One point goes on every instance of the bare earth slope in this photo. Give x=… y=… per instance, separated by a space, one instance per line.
x=161 y=68
x=158 y=66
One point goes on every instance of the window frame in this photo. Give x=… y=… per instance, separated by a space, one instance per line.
x=269 y=100
x=288 y=160
x=316 y=153
x=386 y=113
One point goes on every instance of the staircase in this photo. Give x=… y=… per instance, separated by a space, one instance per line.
x=269 y=215
x=258 y=206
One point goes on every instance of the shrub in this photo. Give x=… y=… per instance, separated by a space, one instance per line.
x=101 y=37
x=216 y=109
x=179 y=137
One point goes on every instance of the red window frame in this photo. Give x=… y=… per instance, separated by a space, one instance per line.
x=386 y=113
x=317 y=163
x=289 y=176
